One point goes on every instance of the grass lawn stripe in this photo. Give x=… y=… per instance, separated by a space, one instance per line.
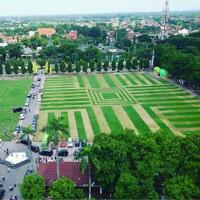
x=123 y=118
x=80 y=81
x=184 y=119
x=191 y=125
x=178 y=113
x=143 y=77
x=142 y=81
x=150 y=79
x=103 y=124
x=147 y=118
x=129 y=83
x=93 y=81
x=182 y=108
x=73 y=99
x=130 y=79
x=80 y=125
x=72 y=125
x=93 y=120
x=116 y=80
x=136 y=119
x=109 y=81
x=157 y=119
x=87 y=125
x=52 y=108
x=112 y=120
x=101 y=81
x=121 y=80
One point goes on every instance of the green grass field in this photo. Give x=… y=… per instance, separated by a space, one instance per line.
x=12 y=93
x=109 y=103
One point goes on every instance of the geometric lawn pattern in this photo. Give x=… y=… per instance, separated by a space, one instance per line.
x=109 y=103
x=111 y=96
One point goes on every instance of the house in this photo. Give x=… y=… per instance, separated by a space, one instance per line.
x=72 y=35
x=9 y=39
x=70 y=170
x=46 y=31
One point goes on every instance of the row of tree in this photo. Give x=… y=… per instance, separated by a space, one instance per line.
x=147 y=166
x=33 y=187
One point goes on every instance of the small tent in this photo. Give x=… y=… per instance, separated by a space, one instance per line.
x=163 y=73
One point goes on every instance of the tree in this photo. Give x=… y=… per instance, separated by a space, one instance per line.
x=56 y=130
x=87 y=159
x=63 y=66
x=113 y=65
x=106 y=65
x=128 y=65
x=26 y=132
x=127 y=187
x=120 y=65
x=8 y=67
x=181 y=187
x=99 y=66
x=64 y=188
x=30 y=67
x=33 y=187
x=92 y=65
x=1 y=68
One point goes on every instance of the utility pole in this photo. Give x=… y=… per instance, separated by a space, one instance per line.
x=165 y=25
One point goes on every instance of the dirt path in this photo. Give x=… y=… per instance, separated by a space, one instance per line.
x=144 y=79
x=116 y=81
x=146 y=118
x=101 y=120
x=87 y=125
x=72 y=125
x=123 y=118
x=76 y=84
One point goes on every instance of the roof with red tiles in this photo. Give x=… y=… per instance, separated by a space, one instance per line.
x=46 y=31
x=67 y=169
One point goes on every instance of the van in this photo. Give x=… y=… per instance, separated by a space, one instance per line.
x=46 y=153
x=35 y=148
x=69 y=143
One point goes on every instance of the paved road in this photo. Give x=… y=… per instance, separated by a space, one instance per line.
x=33 y=107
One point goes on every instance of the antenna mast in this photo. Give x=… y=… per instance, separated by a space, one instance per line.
x=165 y=25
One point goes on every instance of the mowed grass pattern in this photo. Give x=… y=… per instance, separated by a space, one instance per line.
x=12 y=94
x=88 y=103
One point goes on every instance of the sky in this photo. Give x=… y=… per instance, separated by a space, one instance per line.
x=67 y=7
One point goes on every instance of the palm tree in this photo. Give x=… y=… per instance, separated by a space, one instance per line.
x=87 y=159
x=56 y=130
x=26 y=131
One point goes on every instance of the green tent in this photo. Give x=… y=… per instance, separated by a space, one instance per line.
x=157 y=70
x=163 y=73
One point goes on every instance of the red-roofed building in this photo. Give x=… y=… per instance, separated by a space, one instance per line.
x=46 y=31
x=72 y=171
x=72 y=35
x=67 y=169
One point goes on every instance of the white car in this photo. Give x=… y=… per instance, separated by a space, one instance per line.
x=26 y=103
x=22 y=116
x=69 y=143
x=39 y=99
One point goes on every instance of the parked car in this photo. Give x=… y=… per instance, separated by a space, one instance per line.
x=40 y=90
x=33 y=85
x=63 y=144
x=1 y=185
x=83 y=143
x=69 y=143
x=39 y=99
x=22 y=116
x=2 y=192
x=28 y=172
x=25 y=142
x=63 y=152
x=77 y=151
x=26 y=103
x=46 y=152
x=29 y=95
x=38 y=79
x=34 y=93
x=18 y=109
x=35 y=148
x=24 y=111
x=33 y=128
x=77 y=143
x=36 y=116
